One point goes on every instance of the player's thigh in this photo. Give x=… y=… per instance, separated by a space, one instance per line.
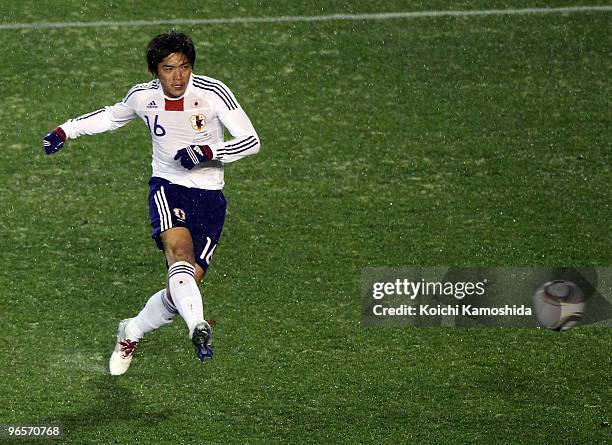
x=178 y=245
x=199 y=273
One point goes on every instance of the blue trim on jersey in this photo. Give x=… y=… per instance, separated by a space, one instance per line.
x=235 y=152
x=244 y=148
x=239 y=147
x=239 y=143
x=154 y=84
x=86 y=116
x=216 y=88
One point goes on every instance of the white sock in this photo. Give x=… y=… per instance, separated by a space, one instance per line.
x=185 y=293
x=157 y=312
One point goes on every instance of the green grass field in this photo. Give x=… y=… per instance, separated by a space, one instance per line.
x=434 y=141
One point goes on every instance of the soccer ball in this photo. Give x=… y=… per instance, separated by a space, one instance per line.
x=559 y=305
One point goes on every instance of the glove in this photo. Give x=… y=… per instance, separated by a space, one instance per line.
x=54 y=141
x=194 y=155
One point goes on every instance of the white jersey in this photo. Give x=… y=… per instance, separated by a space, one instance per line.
x=197 y=118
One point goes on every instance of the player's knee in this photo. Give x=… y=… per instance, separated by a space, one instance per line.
x=199 y=273
x=174 y=255
x=178 y=246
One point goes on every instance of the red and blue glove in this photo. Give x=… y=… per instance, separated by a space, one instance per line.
x=193 y=155
x=54 y=141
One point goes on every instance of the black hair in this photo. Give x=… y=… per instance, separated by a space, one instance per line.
x=165 y=44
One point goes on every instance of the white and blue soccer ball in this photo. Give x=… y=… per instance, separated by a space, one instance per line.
x=559 y=305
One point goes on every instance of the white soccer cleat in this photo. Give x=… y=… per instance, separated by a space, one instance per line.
x=124 y=351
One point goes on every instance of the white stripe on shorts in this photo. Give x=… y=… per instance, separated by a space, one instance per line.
x=163 y=210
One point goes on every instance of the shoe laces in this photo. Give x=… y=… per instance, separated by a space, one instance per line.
x=128 y=347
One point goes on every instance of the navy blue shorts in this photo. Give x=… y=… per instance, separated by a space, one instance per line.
x=200 y=211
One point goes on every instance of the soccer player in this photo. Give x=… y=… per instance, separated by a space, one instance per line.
x=186 y=115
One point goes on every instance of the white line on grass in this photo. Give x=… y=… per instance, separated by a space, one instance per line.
x=306 y=18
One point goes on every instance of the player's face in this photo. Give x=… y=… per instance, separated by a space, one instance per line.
x=173 y=73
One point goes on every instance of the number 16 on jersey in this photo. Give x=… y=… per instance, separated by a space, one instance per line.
x=157 y=129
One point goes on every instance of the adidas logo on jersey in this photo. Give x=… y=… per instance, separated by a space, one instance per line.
x=152 y=104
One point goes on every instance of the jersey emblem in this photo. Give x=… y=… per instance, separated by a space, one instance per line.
x=198 y=121
x=152 y=104
x=180 y=214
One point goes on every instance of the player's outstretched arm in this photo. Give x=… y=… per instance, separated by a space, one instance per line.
x=99 y=121
x=54 y=141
